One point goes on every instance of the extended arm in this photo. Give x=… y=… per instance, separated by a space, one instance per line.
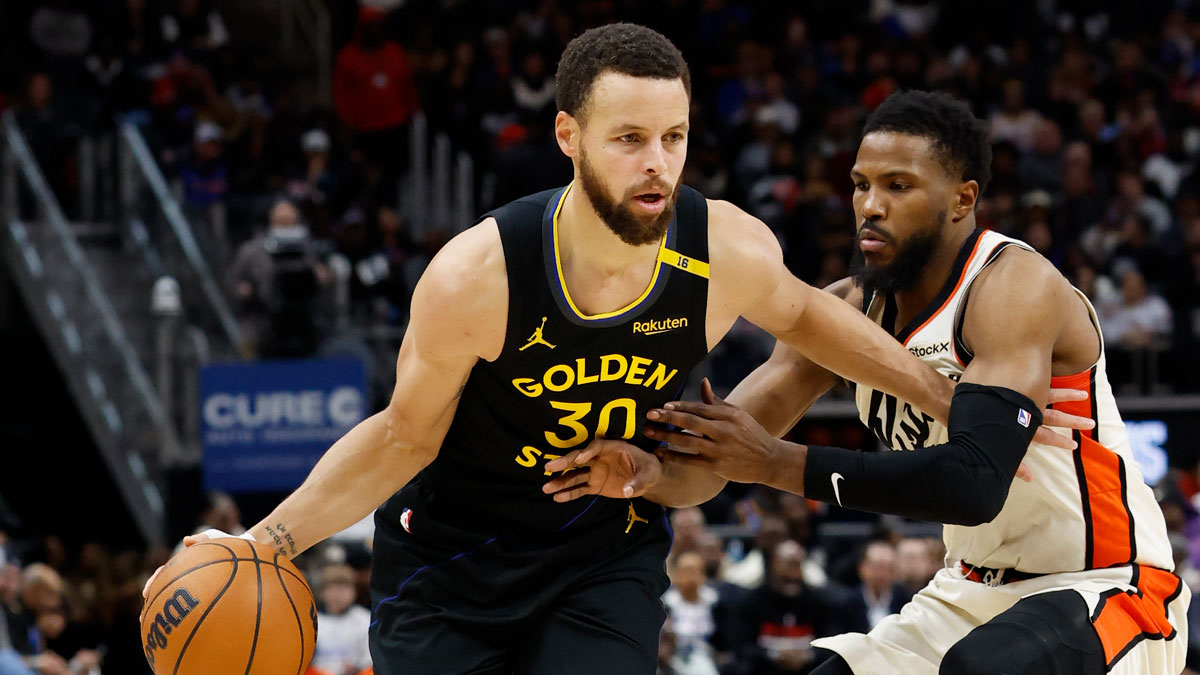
x=382 y=453
x=992 y=420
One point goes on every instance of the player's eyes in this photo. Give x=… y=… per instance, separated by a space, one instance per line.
x=861 y=186
x=900 y=187
x=674 y=138
x=628 y=138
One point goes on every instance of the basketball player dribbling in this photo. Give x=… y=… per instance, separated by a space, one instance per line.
x=556 y=319
x=1068 y=574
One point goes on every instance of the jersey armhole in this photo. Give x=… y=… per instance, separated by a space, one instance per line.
x=962 y=353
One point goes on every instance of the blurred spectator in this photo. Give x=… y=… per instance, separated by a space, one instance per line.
x=274 y=280
x=1042 y=167
x=533 y=87
x=672 y=660
x=36 y=616
x=222 y=514
x=917 y=561
x=205 y=177
x=687 y=526
x=750 y=571
x=1140 y=318
x=312 y=186
x=1015 y=121
x=878 y=595
x=778 y=621
x=49 y=133
x=690 y=601
x=373 y=90
x=342 y=647
x=194 y=26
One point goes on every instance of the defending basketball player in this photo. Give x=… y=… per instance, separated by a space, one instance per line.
x=1069 y=573
x=559 y=318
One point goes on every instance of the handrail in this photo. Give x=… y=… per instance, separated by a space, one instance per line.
x=183 y=232
x=95 y=290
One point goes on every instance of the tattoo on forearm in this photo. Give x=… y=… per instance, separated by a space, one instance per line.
x=285 y=544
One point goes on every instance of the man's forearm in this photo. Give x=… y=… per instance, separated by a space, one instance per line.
x=834 y=335
x=356 y=475
x=682 y=486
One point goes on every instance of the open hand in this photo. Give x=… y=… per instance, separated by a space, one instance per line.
x=1058 y=418
x=720 y=438
x=606 y=467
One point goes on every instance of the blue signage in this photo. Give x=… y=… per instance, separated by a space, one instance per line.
x=263 y=425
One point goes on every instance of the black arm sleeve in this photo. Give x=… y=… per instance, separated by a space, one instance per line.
x=962 y=482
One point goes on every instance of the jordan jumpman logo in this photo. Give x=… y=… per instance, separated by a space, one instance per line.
x=536 y=338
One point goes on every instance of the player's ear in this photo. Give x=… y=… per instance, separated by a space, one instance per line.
x=567 y=131
x=965 y=199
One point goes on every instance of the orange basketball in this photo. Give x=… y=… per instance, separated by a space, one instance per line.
x=229 y=607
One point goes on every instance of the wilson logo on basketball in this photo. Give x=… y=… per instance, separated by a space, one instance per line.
x=173 y=613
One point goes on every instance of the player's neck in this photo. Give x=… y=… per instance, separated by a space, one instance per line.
x=911 y=302
x=588 y=246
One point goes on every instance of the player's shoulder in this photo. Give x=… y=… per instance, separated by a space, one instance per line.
x=738 y=236
x=1018 y=271
x=527 y=209
x=1021 y=288
x=471 y=261
x=465 y=286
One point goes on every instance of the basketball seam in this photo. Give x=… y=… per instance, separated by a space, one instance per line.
x=281 y=568
x=258 y=615
x=295 y=613
x=208 y=609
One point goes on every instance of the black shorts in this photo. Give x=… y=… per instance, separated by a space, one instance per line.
x=448 y=602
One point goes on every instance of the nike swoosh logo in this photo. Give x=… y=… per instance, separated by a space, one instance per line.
x=836 y=495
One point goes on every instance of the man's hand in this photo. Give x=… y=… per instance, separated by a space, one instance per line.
x=606 y=467
x=1058 y=418
x=724 y=439
x=190 y=540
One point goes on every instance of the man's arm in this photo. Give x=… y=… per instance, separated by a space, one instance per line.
x=781 y=390
x=992 y=419
x=383 y=453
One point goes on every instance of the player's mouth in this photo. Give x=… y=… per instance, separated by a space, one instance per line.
x=651 y=202
x=871 y=242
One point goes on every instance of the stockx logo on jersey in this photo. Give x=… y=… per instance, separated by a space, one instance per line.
x=656 y=326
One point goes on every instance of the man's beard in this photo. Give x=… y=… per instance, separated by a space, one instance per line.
x=906 y=267
x=618 y=216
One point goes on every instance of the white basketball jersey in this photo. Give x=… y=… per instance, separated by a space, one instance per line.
x=1085 y=509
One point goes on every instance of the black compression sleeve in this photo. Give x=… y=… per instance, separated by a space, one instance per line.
x=962 y=482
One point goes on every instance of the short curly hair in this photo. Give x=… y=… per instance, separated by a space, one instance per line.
x=624 y=48
x=958 y=136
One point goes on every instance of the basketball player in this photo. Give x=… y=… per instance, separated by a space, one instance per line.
x=1069 y=573
x=556 y=319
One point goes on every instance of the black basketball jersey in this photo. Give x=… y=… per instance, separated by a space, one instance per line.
x=563 y=379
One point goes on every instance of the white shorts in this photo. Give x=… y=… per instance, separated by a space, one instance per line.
x=914 y=641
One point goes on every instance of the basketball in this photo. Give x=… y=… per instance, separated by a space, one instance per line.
x=229 y=606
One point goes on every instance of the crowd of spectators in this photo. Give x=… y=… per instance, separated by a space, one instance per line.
x=1093 y=108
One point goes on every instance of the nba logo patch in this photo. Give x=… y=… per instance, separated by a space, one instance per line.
x=1023 y=418
x=406 y=517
